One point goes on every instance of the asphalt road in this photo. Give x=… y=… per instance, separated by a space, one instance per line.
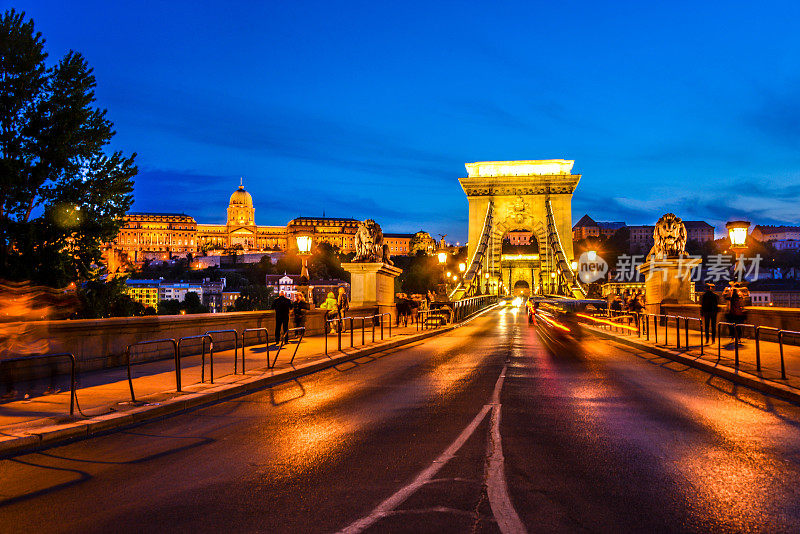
x=493 y=427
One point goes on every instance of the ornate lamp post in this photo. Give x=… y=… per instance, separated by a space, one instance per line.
x=304 y=248
x=737 y=233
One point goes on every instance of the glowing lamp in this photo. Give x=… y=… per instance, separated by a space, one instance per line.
x=486 y=276
x=574 y=265
x=552 y=275
x=462 y=267
x=591 y=255
x=442 y=257
x=737 y=232
x=304 y=244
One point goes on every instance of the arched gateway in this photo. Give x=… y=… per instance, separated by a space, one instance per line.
x=507 y=195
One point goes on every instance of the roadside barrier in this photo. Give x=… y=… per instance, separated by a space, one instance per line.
x=339 y=323
x=153 y=342
x=735 y=331
x=466 y=307
x=235 y=346
x=73 y=393
x=302 y=330
x=254 y=331
x=203 y=337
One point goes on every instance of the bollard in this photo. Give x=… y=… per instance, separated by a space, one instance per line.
x=758 y=348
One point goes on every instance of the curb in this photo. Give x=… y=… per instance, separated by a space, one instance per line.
x=752 y=381
x=49 y=436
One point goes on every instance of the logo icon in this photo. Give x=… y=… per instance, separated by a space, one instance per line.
x=591 y=267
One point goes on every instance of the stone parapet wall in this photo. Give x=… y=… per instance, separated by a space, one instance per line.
x=101 y=343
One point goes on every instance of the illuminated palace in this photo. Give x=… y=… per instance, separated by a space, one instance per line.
x=169 y=235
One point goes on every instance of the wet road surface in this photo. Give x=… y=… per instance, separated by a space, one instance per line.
x=491 y=428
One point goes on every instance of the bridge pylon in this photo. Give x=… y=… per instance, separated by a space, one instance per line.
x=531 y=195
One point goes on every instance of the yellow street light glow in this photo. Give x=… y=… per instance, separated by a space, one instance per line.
x=574 y=265
x=552 y=275
x=519 y=257
x=442 y=256
x=462 y=267
x=304 y=244
x=737 y=232
x=591 y=255
x=486 y=275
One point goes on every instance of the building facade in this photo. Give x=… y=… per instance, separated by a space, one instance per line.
x=162 y=236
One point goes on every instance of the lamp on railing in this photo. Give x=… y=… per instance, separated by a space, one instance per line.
x=462 y=267
x=442 y=255
x=303 y=249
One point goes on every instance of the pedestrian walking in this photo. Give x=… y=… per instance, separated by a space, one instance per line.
x=282 y=307
x=709 y=307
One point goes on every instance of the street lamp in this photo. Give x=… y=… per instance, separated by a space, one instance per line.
x=462 y=267
x=591 y=255
x=442 y=255
x=737 y=233
x=304 y=248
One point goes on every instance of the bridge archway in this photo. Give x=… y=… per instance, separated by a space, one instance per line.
x=531 y=194
x=521 y=288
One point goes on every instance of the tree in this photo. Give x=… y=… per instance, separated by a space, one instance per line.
x=100 y=299
x=61 y=195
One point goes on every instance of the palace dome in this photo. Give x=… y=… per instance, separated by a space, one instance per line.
x=240 y=197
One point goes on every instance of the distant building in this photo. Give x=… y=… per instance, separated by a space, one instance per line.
x=229 y=299
x=144 y=292
x=422 y=241
x=776 y=293
x=398 y=243
x=765 y=233
x=786 y=244
x=178 y=290
x=163 y=236
x=519 y=237
x=587 y=227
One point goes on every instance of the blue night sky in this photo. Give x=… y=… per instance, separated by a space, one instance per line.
x=363 y=110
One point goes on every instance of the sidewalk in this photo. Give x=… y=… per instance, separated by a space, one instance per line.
x=720 y=358
x=104 y=397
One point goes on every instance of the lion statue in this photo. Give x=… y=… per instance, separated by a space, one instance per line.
x=369 y=244
x=669 y=237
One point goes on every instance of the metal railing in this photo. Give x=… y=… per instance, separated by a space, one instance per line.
x=153 y=342
x=736 y=331
x=235 y=346
x=466 y=307
x=244 y=345
x=437 y=316
x=284 y=340
x=203 y=337
x=73 y=392
x=341 y=322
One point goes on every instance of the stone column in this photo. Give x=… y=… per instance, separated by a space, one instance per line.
x=667 y=281
x=372 y=285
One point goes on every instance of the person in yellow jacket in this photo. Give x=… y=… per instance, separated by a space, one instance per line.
x=332 y=309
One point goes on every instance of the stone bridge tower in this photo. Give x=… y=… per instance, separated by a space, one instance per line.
x=511 y=195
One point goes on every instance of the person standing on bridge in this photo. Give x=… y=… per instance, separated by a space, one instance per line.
x=282 y=307
x=342 y=304
x=300 y=307
x=709 y=306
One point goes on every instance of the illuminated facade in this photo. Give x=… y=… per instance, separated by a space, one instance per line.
x=161 y=236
